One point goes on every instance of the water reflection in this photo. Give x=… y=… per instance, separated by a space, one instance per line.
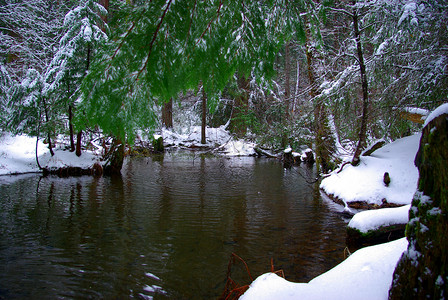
x=165 y=229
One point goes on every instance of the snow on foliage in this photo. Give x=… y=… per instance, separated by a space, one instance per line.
x=409 y=12
x=80 y=25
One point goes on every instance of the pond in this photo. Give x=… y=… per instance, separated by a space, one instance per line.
x=165 y=229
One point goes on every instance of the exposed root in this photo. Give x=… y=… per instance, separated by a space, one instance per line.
x=232 y=289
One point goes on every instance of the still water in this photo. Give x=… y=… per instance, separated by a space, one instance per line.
x=165 y=229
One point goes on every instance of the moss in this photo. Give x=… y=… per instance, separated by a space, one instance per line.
x=356 y=239
x=422 y=270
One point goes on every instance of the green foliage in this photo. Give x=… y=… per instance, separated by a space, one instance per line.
x=160 y=48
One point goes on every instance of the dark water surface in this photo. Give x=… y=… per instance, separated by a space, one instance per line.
x=165 y=229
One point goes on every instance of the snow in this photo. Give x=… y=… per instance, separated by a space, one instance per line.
x=18 y=156
x=366 y=274
x=62 y=159
x=17 y=153
x=416 y=110
x=409 y=12
x=217 y=138
x=442 y=109
x=373 y=219
x=365 y=182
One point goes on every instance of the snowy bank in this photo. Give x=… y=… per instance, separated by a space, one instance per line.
x=377 y=226
x=366 y=274
x=370 y=220
x=18 y=156
x=218 y=139
x=64 y=159
x=364 y=183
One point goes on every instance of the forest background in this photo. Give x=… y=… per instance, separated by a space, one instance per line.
x=331 y=75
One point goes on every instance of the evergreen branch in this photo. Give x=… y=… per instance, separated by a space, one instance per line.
x=119 y=47
x=342 y=11
x=210 y=23
x=407 y=67
x=154 y=37
x=191 y=23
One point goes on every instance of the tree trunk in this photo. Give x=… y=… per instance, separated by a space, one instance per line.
x=105 y=4
x=167 y=114
x=422 y=271
x=78 y=143
x=47 y=120
x=70 y=126
x=287 y=97
x=324 y=142
x=204 y=117
x=362 y=136
x=238 y=124
x=115 y=162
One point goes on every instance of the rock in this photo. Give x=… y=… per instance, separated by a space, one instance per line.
x=356 y=239
x=422 y=272
x=308 y=157
x=386 y=179
x=157 y=143
x=288 y=159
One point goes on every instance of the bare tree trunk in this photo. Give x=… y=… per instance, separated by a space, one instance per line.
x=296 y=91
x=167 y=114
x=362 y=136
x=70 y=126
x=287 y=96
x=47 y=119
x=115 y=162
x=105 y=4
x=204 y=117
x=323 y=140
x=238 y=122
x=78 y=143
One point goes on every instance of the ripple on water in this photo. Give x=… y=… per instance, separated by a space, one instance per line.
x=165 y=228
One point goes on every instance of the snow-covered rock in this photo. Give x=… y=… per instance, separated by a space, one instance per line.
x=369 y=220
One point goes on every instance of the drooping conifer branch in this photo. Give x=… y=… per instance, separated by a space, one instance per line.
x=154 y=37
x=210 y=23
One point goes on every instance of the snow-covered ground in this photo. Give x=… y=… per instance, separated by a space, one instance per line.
x=365 y=182
x=366 y=274
x=216 y=138
x=18 y=153
x=18 y=156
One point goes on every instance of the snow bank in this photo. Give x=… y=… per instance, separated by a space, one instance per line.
x=442 y=109
x=63 y=159
x=218 y=138
x=373 y=219
x=366 y=274
x=17 y=154
x=365 y=182
x=214 y=137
